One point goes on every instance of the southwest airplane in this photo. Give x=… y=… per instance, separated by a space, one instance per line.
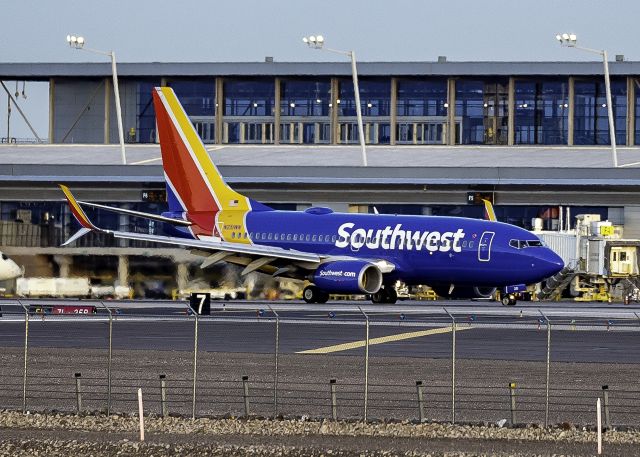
x=338 y=253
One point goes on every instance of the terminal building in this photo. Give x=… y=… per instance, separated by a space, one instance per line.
x=532 y=136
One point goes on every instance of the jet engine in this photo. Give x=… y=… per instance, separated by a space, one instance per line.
x=464 y=292
x=348 y=277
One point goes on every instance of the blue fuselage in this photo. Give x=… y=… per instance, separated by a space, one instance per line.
x=424 y=249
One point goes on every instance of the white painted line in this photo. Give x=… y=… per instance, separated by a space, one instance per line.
x=140 y=162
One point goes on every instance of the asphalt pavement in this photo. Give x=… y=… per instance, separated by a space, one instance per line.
x=585 y=333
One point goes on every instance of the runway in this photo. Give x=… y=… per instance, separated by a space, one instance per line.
x=585 y=333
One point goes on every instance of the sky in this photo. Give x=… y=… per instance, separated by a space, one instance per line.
x=249 y=30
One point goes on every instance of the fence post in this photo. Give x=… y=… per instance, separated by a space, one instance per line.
x=195 y=366
x=78 y=393
x=453 y=366
x=26 y=356
x=275 y=374
x=546 y=402
x=420 y=390
x=334 y=399
x=366 y=365
x=163 y=396
x=605 y=395
x=245 y=394
x=110 y=358
x=512 y=393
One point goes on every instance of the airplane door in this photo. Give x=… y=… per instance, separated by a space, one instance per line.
x=484 y=246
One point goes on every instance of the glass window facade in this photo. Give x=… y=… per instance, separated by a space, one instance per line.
x=421 y=98
x=305 y=98
x=197 y=97
x=375 y=97
x=146 y=114
x=541 y=112
x=591 y=122
x=249 y=97
x=483 y=107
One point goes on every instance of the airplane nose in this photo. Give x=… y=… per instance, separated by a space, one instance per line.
x=553 y=263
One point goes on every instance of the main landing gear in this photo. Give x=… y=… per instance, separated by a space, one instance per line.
x=386 y=294
x=312 y=294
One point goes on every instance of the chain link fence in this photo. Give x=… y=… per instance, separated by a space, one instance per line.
x=349 y=364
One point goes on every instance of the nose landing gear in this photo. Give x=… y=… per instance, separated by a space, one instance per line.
x=509 y=300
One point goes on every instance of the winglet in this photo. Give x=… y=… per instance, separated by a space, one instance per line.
x=488 y=210
x=77 y=211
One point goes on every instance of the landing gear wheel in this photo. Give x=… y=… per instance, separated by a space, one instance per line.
x=509 y=300
x=391 y=295
x=385 y=295
x=310 y=294
x=323 y=296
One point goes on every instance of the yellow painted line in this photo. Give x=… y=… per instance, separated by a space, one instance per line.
x=380 y=340
x=140 y=162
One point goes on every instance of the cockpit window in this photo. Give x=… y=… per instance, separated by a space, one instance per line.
x=522 y=244
x=4 y=257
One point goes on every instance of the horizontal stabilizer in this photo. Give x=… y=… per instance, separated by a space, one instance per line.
x=153 y=217
x=79 y=234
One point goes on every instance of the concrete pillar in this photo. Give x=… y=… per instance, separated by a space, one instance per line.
x=277 y=112
x=64 y=264
x=572 y=91
x=107 y=110
x=631 y=110
x=123 y=270
x=52 y=105
x=511 y=119
x=393 y=111
x=219 y=110
x=451 y=111
x=182 y=275
x=335 y=128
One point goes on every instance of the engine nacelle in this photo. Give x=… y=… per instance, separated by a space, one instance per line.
x=466 y=292
x=348 y=277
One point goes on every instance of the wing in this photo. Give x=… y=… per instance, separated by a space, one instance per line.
x=266 y=259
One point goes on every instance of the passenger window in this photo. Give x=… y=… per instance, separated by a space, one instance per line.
x=313 y=238
x=288 y=236
x=464 y=244
x=295 y=237
x=334 y=238
x=275 y=237
x=623 y=256
x=270 y=235
x=471 y=244
x=233 y=234
x=307 y=237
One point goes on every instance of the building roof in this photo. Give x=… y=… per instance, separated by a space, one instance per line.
x=393 y=165
x=44 y=71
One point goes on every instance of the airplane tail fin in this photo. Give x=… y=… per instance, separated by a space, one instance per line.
x=194 y=184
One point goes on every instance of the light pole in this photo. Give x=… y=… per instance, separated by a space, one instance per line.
x=317 y=42
x=77 y=42
x=570 y=40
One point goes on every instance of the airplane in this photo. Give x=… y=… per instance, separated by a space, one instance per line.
x=338 y=253
x=8 y=268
